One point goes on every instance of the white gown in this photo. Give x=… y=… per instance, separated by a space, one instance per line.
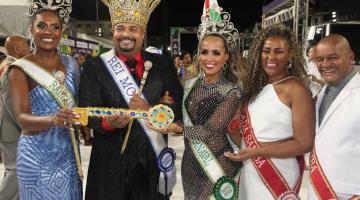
x=271 y=121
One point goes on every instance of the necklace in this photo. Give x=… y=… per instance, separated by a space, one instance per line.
x=281 y=80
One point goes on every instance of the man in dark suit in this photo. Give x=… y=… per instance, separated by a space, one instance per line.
x=17 y=47
x=109 y=81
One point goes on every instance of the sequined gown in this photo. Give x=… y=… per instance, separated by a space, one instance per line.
x=210 y=107
x=46 y=167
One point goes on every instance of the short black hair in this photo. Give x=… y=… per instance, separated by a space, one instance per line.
x=310 y=45
x=2 y=56
x=41 y=10
x=175 y=56
x=183 y=53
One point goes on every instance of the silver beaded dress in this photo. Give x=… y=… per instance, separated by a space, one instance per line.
x=210 y=108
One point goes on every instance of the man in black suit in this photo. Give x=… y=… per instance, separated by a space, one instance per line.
x=110 y=81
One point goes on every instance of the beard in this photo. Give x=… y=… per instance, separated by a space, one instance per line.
x=128 y=48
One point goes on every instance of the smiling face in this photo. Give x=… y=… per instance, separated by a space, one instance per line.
x=334 y=58
x=275 y=57
x=128 y=38
x=212 y=57
x=187 y=59
x=46 y=30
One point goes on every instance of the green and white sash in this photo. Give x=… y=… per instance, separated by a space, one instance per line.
x=224 y=187
x=128 y=87
x=46 y=80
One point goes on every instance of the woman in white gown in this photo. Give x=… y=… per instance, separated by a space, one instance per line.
x=277 y=118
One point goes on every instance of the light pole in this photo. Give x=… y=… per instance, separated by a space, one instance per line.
x=296 y=18
x=97 y=18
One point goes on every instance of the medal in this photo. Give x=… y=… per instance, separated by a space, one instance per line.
x=225 y=188
x=288 y=195
x=166 y=159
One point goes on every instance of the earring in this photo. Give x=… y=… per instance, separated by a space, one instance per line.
x=32 y=44
x=224 y=68
x=289 y=65
x=201 y=72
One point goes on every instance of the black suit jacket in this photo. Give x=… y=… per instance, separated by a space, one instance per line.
x=108 y=170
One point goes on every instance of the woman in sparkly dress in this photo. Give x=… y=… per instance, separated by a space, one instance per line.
x=210 y=103
x=211 y=99
x=46 y=166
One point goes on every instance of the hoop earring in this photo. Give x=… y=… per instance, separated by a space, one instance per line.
x=32 y=44
x=224 y=68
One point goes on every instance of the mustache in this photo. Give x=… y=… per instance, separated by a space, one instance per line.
x=127 y=38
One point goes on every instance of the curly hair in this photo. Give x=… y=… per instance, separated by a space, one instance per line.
x=235 y=64
x=256 y=77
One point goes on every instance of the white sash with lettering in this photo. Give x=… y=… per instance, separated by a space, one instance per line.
x=203 y=154
x=46 y=80
x=127 y=87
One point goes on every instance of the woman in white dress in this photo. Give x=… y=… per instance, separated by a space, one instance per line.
x=277 y=118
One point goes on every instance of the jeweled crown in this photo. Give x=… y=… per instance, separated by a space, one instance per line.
x=134 y=11
x=63 y=7
x=220 y=25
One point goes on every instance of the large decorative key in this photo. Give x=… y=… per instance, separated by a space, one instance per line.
x=159 y=116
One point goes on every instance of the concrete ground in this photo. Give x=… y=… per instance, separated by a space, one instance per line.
x=177 y=143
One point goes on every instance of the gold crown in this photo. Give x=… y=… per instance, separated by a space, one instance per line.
x=134 y=11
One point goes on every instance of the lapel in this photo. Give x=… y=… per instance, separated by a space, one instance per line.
x=320 y=97
x=345 y=93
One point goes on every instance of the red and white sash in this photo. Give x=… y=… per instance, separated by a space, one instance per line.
x=266 y=169
x=319 y=182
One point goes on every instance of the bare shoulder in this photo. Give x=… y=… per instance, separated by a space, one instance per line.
x=16 y=75
x=297 y=88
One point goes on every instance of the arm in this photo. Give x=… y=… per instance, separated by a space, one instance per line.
x=218 y=121
x=19 y=89
x=303 y=122
x=234 y=129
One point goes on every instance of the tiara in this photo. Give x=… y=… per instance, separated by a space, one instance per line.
x=63 y=7
x=134 y=11
x=219 y=23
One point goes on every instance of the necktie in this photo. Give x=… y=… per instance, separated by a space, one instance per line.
x=132 y=65
x=329 y=97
